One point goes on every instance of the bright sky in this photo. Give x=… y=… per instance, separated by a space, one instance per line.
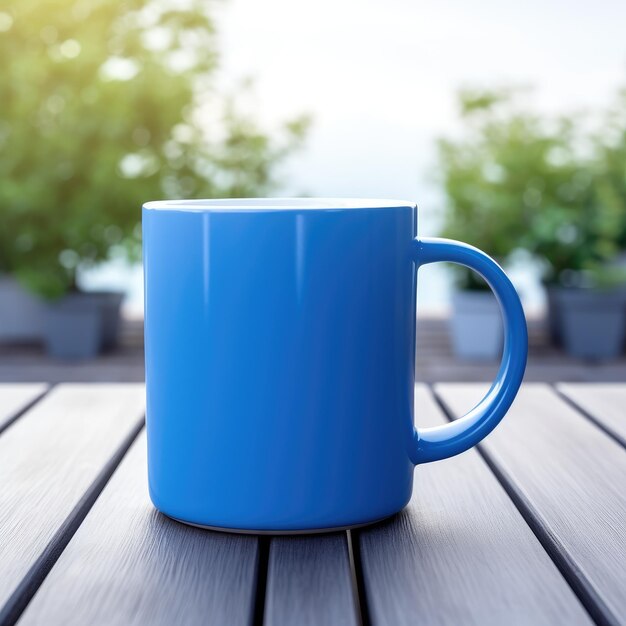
x=379 y=76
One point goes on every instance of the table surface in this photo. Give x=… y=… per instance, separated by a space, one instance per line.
x=528 y=528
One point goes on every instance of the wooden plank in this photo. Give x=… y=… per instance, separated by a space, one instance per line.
x=460 y=553
x=14 y=398
x=48 y=460
x=604 y=403
x=309 y=582
x=129 y=564
x=569 y=477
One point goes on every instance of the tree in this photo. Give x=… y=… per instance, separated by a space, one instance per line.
x=102 y=109
x=519 y=180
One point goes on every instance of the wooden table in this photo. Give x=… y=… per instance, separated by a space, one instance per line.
x=527 y=529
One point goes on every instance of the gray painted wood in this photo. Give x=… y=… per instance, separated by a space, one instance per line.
x=460 y=553
x=309 y=582
x=573 y=477
x=14 y=397
x=48 y=459
x=606 y=403
x=128 y=564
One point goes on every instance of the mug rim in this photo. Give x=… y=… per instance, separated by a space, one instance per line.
x=275 y=204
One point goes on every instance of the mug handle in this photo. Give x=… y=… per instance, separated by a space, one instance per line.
x=441 y=442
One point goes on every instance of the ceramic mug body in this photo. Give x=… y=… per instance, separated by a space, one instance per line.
x=280 y=350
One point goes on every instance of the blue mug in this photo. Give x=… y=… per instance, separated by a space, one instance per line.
x=280 y=345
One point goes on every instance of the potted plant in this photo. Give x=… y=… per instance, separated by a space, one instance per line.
x=522 y=181
x=586 y=295
x=99 y=116
x=579 y=236
x=482 y=208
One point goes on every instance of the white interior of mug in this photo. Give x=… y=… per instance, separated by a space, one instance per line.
x=270 y=204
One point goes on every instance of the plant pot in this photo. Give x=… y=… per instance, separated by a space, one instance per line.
x=110 y=303
x=593 y=322
x=553 y=320
x=476 y=325
x=81 y=325
x=111 y=325
x=73 y=328
x=21 y=313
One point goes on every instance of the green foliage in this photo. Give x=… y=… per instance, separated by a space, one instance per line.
x=517 y=180
x=106 y=105
x=606 y=277
x=611 y=183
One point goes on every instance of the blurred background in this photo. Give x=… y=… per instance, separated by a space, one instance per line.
x=505 y=122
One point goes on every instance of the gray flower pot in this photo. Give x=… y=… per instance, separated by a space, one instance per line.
x=553 y=319
x=21 y=313
x=110 y=303
x=476 y=325
x=593 y=322
x=73 y=328
x=81 y=325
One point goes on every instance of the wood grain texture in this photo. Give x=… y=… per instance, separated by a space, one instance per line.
x=129 y=564
x=573 y=477
x=460 y=553
x=48 y=459
x=14 y=397
x=309 y=582
x=606 y=403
